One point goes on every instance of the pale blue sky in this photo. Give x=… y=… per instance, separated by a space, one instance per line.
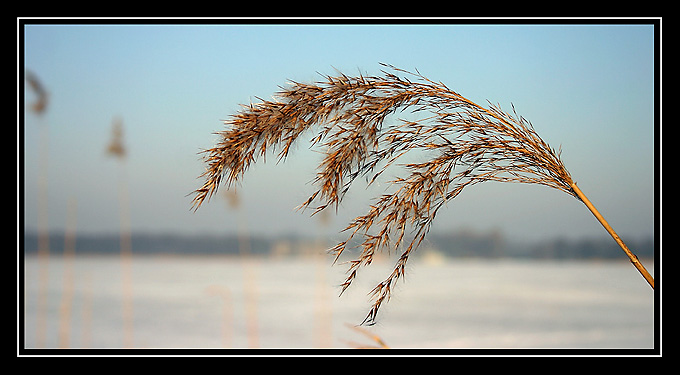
x=588 y=88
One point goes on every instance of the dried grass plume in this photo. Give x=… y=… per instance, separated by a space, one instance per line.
x=40 y=104
x=462 y=144
x=116 y=147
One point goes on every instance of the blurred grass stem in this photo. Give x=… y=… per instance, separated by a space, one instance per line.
x=249 y=272
x=65 y=308
x=116 y=148
x=39 y=107
x=43 y=236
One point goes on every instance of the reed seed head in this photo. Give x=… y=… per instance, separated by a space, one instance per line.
x=462 y=144
x=40 y=105
x=116 y=147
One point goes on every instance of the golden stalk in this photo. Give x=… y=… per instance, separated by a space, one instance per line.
x=377 y=339
x=633 y=258
x=467 y=144
x=65 y=308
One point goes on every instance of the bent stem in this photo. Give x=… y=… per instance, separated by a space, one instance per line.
x=633 y=258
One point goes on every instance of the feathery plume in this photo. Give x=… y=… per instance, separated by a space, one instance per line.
x=465 y=144
x=40 y=105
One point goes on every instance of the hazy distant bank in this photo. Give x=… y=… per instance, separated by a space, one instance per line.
x=492 y=245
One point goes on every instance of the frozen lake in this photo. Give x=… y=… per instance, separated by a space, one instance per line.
x=229 y=302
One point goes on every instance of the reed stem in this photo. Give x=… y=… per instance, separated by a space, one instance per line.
x=633 y=258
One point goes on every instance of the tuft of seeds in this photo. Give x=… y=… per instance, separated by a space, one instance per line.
x=465 y=144
x=40 y=105
x=116 y=147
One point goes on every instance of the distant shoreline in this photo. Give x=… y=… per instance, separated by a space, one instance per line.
x=457 y=245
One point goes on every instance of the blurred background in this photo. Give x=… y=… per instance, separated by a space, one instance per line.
x=116 y=114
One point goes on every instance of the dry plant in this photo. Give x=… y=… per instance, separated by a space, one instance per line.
x=40 y=104
x=116 y=148
x=464 y=144
x=379 y=341
x=65 y=307
x=39 y=107
x=249 y=269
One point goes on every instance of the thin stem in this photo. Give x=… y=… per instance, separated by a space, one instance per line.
x=633 y=258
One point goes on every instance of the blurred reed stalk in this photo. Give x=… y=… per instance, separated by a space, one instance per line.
x=39 y=107
x=116 y=148
x=375 y=338
x=249 y=274
x=324 y=310
x=67 y=294
x=464 y=144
